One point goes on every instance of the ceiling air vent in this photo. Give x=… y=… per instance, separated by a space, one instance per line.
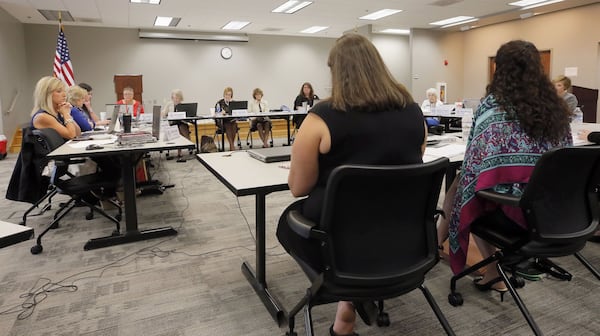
x=52 y=15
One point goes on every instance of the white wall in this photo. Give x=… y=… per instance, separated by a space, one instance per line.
x=278 y=65
x=395 y=51
x=13 y=75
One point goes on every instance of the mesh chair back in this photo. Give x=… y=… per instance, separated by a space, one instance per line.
x=561 y=199
x=380 y=222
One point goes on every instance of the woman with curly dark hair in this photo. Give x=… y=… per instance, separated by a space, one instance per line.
x=520 y=118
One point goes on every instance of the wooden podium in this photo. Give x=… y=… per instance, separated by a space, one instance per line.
x=134 y=81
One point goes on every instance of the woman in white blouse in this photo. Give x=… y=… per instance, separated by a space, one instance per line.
x=260 y=124
x=431 y=101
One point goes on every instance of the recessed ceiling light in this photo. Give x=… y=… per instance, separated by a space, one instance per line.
x=524 y=3
x=455 y=19
x=291 y=7
x=541 y=4
x=151 y=2
x=313 y=29
x=380 y=14
x=459 y=23
x=166 y=21
x=235 y=25
x=396 y=31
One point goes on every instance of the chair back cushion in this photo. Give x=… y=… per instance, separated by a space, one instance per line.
x=560 y=202
x=380 y=222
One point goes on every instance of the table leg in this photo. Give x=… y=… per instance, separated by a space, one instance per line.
x=196 y=133
x=258 y=279
x=132 y=233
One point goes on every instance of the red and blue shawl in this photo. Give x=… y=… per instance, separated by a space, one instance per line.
x=499 y=155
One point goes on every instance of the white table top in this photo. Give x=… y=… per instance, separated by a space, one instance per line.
x=13 y=233
x=243 y=174
x=77 y=148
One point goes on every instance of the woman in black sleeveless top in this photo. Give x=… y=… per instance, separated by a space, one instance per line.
x=369 y=119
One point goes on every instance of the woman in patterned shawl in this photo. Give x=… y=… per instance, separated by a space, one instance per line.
x=520 y=118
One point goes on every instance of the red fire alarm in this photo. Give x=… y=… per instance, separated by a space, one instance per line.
x=445 y=62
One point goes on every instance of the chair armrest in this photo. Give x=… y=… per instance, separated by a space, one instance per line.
x=302 y=226
x=500 y=198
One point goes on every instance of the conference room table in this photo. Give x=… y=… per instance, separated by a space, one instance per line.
x=272 y=115
x=233 y=169
x=13 y=233
x=129 y=156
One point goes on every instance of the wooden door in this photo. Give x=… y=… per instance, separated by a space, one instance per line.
x=544 y=55
x=134 y=81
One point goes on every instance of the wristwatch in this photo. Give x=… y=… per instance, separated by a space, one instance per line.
x=70 y=120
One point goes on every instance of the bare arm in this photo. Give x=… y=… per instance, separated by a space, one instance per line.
x=67 y=131
x=313 y=138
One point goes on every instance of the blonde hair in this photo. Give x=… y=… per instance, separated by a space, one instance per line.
x=42 y=95
x=76 y=92
x=178 y=93
x=228 y=89
x=257 y=91
x=566 y=81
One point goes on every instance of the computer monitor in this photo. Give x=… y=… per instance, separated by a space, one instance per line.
x=238 y=105
x=189 y=109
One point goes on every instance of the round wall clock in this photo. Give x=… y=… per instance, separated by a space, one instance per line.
x=226 y=53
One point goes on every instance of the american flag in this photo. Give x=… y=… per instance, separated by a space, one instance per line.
x=63 y=69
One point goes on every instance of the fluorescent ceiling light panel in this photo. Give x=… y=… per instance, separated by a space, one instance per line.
x=396 y=31
x=291 y=7
x=455 y=19
x=380 y=14
x=459 y=23
x=235 y=25
x=152 y=2
x=313 y=29
x=166 y=21
x=541 y=4
x=524 y=3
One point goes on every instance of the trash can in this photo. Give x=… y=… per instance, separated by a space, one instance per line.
x=3 y=143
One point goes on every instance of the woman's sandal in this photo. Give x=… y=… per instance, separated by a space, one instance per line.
x=484 y=287
x=332 y=333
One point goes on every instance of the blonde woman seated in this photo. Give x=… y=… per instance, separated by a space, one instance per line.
x=184 y=128
x=431 y=101
x=260 y=124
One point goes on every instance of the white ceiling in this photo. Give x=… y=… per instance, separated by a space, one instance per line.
x=339 y=15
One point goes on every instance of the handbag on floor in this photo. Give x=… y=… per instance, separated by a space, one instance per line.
x=207 y=144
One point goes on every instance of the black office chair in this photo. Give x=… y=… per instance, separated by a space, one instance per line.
x=220 y=131
x=561 y=208
x=85 y=190
x=251 y=129
x=377 y=236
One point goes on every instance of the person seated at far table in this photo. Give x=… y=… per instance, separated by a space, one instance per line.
x=228 y=126
x=307 y=95
x=261 y=124
x=87 y=106
x=128 y=94
x=562 y=84
x=432 y=100
x=184 y=128
x=75 y=96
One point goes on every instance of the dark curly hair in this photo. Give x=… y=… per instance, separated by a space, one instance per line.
x=525 y=92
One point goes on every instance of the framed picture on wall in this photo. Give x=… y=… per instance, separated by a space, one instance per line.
x=442 y=89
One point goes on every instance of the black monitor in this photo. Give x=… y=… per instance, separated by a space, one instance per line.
x=189 y=109
x=238 y=105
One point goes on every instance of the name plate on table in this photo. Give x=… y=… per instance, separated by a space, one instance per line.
x=239 y=112
x=171 y=132
x=176 y=115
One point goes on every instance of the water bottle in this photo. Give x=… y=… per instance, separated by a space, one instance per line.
x=577 y=116
x=218 y=108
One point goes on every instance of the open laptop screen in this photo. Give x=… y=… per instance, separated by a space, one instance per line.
x=189 y=109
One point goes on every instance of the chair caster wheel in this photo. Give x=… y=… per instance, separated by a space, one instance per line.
x=291 y=334
x=89 y=216
x=455 y=299
x=517 y=282
x=118 y=217
x=54 y=226
x=37 y=249
x=383 y=320
x=115 y=233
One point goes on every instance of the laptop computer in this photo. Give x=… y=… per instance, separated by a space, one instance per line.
x=272 y=154
x=189 y=109
x=156 y=121
x=111 y=126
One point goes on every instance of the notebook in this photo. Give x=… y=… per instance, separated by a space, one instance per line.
x=272 y=154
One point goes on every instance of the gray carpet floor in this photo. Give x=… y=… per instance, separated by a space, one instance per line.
x=191 y=284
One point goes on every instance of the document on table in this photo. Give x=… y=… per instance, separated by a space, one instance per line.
x=448 y=150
